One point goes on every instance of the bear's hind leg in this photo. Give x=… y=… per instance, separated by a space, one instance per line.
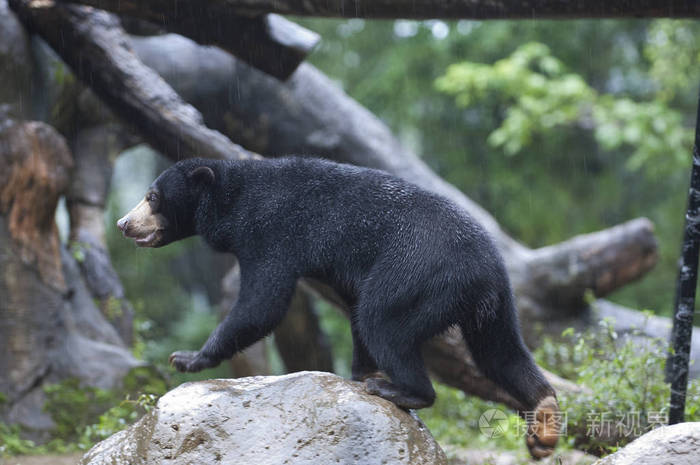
x=410 y=387
x=397 y=353
x=497 y=348
x=363 y=365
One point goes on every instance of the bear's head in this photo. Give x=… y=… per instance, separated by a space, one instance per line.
x=166 y=213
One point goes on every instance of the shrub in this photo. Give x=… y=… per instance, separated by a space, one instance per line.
x=626 y=393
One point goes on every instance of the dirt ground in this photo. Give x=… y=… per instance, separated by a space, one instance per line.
x=69 y=459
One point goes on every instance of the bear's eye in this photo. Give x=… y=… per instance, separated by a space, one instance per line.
x=152 y=197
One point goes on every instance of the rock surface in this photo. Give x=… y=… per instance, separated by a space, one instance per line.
x=668 y=445
x=459 y=456
x=302 y=418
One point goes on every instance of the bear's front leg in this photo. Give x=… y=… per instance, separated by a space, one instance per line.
x=187 y=361
x=262 y=303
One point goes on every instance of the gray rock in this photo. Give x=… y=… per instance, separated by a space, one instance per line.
x=303 y=418
x=668 y=445
x=459 y=456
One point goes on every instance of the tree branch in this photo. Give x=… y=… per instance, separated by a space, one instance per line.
x=419 y=9
x=268 y=42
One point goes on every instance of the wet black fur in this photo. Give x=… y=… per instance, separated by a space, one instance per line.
x=409 y=262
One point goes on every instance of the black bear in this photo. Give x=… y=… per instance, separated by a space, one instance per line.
x=409 y=263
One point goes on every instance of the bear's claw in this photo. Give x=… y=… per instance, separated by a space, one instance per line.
x=187 y=361
x=543 y=431
x=386 y=389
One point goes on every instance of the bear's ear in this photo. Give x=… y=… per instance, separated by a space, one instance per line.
x=203 y=174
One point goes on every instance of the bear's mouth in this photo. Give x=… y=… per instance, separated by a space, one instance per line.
x=150 y=239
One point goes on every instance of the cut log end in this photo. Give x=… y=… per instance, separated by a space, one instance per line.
x=600 y=262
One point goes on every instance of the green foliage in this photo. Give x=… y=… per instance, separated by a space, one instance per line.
x=626 y=393
x=12 y=443
x=674 y=53
x=143 y=380
x=77 y=250
x=540 y=96
x=79 y=422
x=72 y=406
x=85 y=414
x=116 y=419
x=454 y=420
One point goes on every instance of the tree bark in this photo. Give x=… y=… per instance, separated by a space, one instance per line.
x=422 y=9
x=50 y=330
x=309 y=112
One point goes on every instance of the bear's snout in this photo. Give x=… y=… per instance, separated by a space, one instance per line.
x=123 y=223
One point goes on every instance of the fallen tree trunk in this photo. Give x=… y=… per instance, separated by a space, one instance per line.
x=388 y=9
x=367 y=140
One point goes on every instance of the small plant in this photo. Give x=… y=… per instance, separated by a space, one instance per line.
x=457 y=420
x=77 y=250
x=625 y=394
x=12 y=443
x=84 y=415
x=116 y=419
x=73 y=406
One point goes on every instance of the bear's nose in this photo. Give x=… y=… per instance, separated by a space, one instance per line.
x=123 y=223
